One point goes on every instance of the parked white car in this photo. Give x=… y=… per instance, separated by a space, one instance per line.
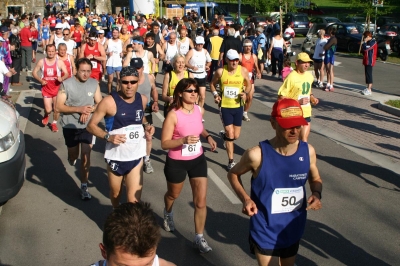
x=12 y=152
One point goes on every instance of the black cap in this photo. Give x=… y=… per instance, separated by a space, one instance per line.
x=136 y=63
x=4 y=29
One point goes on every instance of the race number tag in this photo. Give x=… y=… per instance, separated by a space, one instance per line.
x=191 y=149
x=305 y=96
x=287 y=199
x=231 y=92
x=94 y=64
x=134 y=133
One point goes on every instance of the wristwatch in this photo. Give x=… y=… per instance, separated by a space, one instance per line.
x=107 y=136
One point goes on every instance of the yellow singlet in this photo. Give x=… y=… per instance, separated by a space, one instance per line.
x=173 y=80
x=231 y=87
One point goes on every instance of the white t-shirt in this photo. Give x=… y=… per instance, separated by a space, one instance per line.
x=71 y=44
x=319 y=48
x=66 y=25
x=134 y=24
x=3 y=70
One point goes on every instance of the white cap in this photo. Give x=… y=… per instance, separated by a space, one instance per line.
x=199 y=40
x=95 y=20
x=39 y=14
x=91 y=13
x=232 y=54
x=100 y=31
x=59 y=26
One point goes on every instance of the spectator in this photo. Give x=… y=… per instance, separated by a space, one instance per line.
x=370 y=50
x=16 y=56
x=230 y=42
x=26 y=47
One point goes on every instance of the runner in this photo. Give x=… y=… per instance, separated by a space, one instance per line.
x=185 y=42
x=297 y=86
x=139 y=52
x=130 y=237
x=71 y=45
x=68 y=60
x=250 y=62
x=198 y=61
x=94 y=51
x=155 y=49
x=76 y=101
x=233 y=79
x=57 y=36
x=329 y=59
x=148 y=88
x=77 y=36
x=126 y=145
x=45 y=32
x=170 y=48
x=181 y=133
x=113 y=48
x=172 y=78
x=280 y=168
x=50 y=80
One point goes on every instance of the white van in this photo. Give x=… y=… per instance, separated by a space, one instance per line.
x=12 y=152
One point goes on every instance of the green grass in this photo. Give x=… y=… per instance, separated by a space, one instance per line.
x=393 y=58
x=394 y=103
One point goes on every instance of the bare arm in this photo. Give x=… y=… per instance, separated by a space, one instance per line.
x=187 y=59
x=82 y=53
x=315 y=182
x=250 y=161
x=160 y=51
x=165 y=87
x=127 y=60
x=35 y=71
x=64 y=70
x=153 y=62
x=213 y=84
x=154 y=94
x=102 y=56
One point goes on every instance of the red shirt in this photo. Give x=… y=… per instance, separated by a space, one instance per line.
x=25 y=34
x=142 y=31
x=130 y=28
x=53 y=21
x=35 y=34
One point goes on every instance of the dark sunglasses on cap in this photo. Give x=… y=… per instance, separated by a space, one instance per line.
x=126 y=82
x=191 y=91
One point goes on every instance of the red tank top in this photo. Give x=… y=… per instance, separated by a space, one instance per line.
x=52 y=22
x=248 y=63
x=68 y=64
x=77 y=36
x=50 y=74
x=96 y=64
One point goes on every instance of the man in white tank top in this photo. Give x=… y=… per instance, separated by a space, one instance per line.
x=71 y=45
x=113 y=48
x=170 y=48
x=127 y=222
x=185 y=42
x=139 y=52
x=57 y=37
x=198 y=61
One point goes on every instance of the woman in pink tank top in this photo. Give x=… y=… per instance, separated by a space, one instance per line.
x=180 y=135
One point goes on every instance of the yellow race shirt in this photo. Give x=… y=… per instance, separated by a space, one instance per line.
x=231 y=87
x=174 y=80
x=297 y=86
x=216 y=43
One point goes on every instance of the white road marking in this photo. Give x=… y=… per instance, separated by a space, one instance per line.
x=160 y=116
x=336 y=63
x=224 y=188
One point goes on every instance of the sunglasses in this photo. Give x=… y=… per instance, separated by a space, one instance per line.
x=126 y=82
x=191 y=91
x=66 y=34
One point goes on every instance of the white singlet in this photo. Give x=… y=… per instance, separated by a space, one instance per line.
x=145 y=60
x=172 y=50
x=199 y=59
x=185 y=46
x=116 y=48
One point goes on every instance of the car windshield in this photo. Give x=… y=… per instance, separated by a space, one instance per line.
x=300 y=18
x=359 y=20
x=352 y=29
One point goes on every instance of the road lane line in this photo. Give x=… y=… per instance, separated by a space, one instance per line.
x=224 y=188
x=160 y=116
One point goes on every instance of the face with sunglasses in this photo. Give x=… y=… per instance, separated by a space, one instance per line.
x=129 y=86
x=189 y=95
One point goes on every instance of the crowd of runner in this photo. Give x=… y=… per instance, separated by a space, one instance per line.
x=84 y=50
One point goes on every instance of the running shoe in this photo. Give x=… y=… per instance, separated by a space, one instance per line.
x=45 y=120
x=54 y=127
x=202 y=245
x=331 y=89
x=246 y=118
x=320 y=85
x=72 y=163
x=328 y=88
x=85 y=193
x=366 y=92
x=168 y=224
x=231 y=165
x=222 y=135
x=147 y=167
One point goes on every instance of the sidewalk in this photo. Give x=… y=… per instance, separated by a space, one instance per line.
x=350 y=119
x=345 y=116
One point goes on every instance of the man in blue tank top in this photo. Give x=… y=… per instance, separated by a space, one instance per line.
x=277 y=204
x=126 y=130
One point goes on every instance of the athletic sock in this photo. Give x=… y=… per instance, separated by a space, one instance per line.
x=230 y=161
x=147 y=158
x=244 y=113
x=83 y=185
x=197 y=237
x=54 y=121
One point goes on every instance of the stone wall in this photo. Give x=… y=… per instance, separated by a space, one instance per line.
x=28 y=6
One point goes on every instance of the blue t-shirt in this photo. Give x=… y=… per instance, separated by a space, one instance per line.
x=261 y=40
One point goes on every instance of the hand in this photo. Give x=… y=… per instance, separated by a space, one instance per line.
x=258 y=75
x=314 y=203
x=207 y=68
x=43 y=82
x=304 y=101
x=195 y=68
x=90 y=56
x=149 y=131
x=249 y=207
x=171 y=99
x=154 y=107
x=86 y=109
x=117 y=139
x=314 y=100
x=59 y=78
x=217 y=99
x=168 y=62
x=212 y=143
x=243 y=96
x=156 y=60
x=190 y=139
x=84 y=118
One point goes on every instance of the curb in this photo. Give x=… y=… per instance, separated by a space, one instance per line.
x=354 y=56
x=24 y=105
x=389 y=109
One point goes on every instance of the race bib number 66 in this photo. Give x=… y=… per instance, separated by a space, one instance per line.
x=286 y=199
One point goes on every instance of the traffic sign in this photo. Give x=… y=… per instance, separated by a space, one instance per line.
x=377 y=3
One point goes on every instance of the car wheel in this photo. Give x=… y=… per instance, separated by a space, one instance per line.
x=383 y=57
x=352 y=47
x=395 y=46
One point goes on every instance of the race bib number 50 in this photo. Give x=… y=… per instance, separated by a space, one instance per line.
x=287 y=199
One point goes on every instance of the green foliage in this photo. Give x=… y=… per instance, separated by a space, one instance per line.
x=394 y=103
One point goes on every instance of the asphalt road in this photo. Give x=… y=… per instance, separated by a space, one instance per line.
x=386 y=75
x=47 y=223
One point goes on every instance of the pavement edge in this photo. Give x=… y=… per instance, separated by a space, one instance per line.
x=389 y=109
